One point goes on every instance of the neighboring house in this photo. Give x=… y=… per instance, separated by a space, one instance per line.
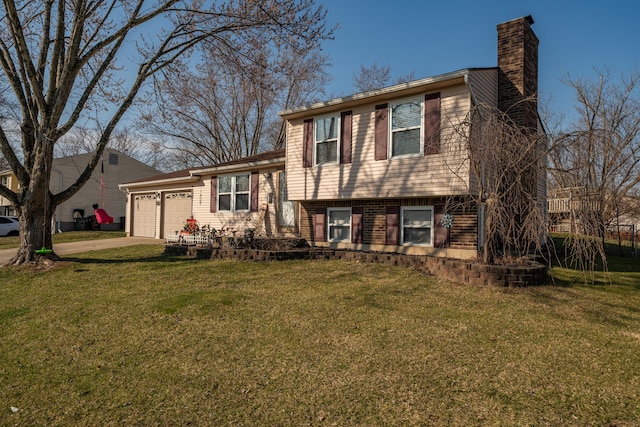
x=102 y=188
x=374 y=171
x=8 y=179
x=249 y=193
x=566 y=206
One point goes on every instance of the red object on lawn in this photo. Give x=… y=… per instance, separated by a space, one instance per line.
x=103 y=217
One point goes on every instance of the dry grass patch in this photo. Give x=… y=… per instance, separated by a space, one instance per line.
x=134 y=337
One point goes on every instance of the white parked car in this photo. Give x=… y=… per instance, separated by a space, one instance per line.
x=9 y=226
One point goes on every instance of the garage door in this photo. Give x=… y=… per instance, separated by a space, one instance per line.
x=176 y=210
x=144 y=215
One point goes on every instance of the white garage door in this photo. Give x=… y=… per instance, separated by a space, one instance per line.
x=144 y=215
x=176 y=210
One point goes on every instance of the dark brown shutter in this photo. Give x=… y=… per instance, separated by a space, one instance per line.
x=319 y=222
x=441 y=234
x=392 y=225
x=213 y=204
x=345 y=136
x=432 y=123
x=356 y=224
x=307 y=144
x=255 y=177
x=381 y=131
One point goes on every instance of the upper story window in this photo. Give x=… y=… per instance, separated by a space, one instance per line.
x=326 y=144
x=406 y=128
x=4 y=180
x=233 y=192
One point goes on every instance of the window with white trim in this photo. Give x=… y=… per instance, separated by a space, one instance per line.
x=416 y=225
x=406 y=128
x=326 y=141
x=339 y=224
x=234 y=192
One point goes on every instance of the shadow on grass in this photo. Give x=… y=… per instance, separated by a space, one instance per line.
x=125 y=255
x=106 y=260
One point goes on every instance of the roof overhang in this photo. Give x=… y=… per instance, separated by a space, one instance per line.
x=156 y=183
x=196 y=174
x=397 y=91
x=241 y=167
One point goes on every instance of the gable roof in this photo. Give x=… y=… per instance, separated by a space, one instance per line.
x=269 y=158
x=400 y=90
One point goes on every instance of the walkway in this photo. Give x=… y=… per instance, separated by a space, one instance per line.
x=88 y=245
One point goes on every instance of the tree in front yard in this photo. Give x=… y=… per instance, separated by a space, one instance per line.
x=69 y=63
x=504 y=161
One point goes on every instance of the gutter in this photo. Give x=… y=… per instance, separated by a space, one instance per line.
x=185 y=179
x=238 y=167
x=402 y=89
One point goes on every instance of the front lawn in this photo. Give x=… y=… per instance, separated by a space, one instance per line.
x=69 y=236
x=134 y=337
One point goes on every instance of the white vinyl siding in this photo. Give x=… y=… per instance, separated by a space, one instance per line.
x=416 y=225
x=264 y=221
x=339 y=224
x=365 y=178
x=326 y=141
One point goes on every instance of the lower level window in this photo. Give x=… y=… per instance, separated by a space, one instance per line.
x=339 y=224
x=417 y=225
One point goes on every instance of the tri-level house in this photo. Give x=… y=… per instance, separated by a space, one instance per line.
x=375 y=170
x=371 y=171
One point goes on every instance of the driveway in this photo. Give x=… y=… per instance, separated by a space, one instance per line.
x=88 y=245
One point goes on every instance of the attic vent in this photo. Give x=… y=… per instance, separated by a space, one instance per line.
x=113 y=159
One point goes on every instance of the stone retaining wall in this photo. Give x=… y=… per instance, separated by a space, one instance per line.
x=455 y=270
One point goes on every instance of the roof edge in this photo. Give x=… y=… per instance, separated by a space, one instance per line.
x=364 y=96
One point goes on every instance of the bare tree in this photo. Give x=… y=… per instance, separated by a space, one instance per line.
x=377 y=76
x=372 y=77
x=64 y=59
x=504 y=163
x=597 y=160
x=226 y=107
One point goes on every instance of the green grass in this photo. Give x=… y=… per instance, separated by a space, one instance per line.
x=69 y=236
x=134 y=337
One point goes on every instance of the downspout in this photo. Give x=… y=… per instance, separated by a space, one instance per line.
x=474 y=103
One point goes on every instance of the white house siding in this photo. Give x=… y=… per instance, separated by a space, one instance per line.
x=366 y=178
x=263 y=221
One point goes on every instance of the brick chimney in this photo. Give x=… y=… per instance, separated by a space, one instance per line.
x=518 y=71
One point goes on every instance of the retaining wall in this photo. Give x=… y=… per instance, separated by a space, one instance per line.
x=454 y=270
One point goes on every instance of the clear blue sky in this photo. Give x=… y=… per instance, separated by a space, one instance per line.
x=435 y=37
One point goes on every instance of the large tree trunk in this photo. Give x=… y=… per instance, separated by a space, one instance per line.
x=35 y=214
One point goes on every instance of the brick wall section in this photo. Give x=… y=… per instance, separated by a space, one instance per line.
x=464 y=233
x=453 y=270
x=518 y=71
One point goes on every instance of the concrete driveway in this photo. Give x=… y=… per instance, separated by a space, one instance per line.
x=88 y=245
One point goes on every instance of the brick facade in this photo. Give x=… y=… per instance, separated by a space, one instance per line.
x=463 y=233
